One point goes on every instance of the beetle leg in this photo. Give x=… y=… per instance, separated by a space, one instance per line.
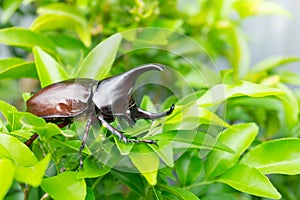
x=120 y=134
x=31 y=139
x=139 y=113
x=112 y=129
x=83 y=142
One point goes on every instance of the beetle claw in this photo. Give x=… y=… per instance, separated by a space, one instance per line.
x=124 y=139
x=142 y=141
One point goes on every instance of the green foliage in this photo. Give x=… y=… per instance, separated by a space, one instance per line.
x=65 y=186
x=228 y=131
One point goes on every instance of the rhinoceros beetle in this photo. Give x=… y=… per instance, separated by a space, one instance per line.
x=100 y=101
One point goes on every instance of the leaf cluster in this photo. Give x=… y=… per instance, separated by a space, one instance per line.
x=233 y=132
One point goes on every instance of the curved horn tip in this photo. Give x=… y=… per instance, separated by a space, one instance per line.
x=171 y=109
x=158 y=66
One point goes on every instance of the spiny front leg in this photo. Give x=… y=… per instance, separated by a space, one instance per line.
x=120 y=134
x=83 y=142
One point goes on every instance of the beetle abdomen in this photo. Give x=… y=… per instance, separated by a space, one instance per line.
x=64 y=99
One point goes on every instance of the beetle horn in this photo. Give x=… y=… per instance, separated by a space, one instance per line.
x=116 y=91
x=126 y=80
x=133 y=74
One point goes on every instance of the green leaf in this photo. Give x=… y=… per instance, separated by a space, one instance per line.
x=71 y=145
x=25 y=120
x=92 y=169
x=289 y=77
x=65 y=186
x=165 y=152
x=8 y=9
x=7 y=173
x=219 y=195
x=291 y=106
x=14 y=149
x=33 y=175
x=123 y=148
x=50 y=129
x=62 y=16
x=61 y=21
x=71 y=50
x=90 y=195
x=191 y=139
x=7 y=110
x=17 y=68
x=273 y=62
x=21 y=134
x=240 y=58
x=48 y=69
x=249 y=180
x=180 y=192
x=98 y=62
x=248 y=8
x=222 y=92
x=281 y=156
x=137 y=185
x=188 y=117
x=238 y=138
x=25 y=38
x=188 y=168
x=146 y=161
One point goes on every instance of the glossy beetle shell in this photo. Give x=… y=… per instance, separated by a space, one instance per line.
x=64 y=99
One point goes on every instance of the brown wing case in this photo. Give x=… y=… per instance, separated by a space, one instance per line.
x=64 y=99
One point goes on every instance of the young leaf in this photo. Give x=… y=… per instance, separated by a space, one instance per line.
x=48 y=69
x=248 y=8
x=7 y=173
x=25 y=38
x=33 y=175
x=14 y=149
x=222 y=92
x=281 y=156
x=249 y=180
x=98 y=62
x=65 y=186
x=238 y=138
x=146 y=161
x=188 y=117
x=241 y=59
x=92 y=169
x=123 y=148
x=17 y=68
x=26 y=120
x=8 y=112
x=273 y=62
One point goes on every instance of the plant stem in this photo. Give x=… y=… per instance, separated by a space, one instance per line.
x=26 y=190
